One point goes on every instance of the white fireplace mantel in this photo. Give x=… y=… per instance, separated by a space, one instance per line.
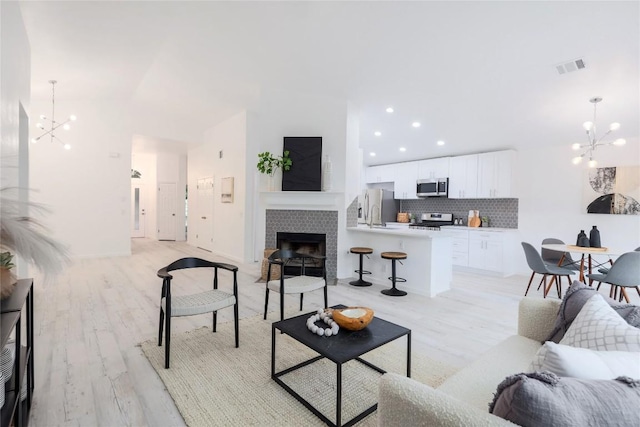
x=302 y=200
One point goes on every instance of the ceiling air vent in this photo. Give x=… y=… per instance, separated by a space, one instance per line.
x=568 y=67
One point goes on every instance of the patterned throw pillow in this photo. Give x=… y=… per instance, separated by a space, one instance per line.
x=599 y=327
x=575 y=298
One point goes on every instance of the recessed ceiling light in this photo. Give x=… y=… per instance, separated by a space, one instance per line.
x=389 y=110
x=402 y=149
x=377 y=133
x=372 y=154
x=441 y=142
x=415 y=124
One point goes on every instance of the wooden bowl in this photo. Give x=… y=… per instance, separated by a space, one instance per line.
x=353 y=318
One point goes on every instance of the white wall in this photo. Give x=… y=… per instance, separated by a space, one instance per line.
x=15 y=87
x=551 y=203
x=280 y=114
x=88 y=187
x=205 y=161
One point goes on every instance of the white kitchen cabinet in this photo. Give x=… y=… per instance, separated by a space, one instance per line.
x=433 y=168
x=405 y=177
x=463 y=177
x=495 y=174
x=382 y=173
x=484 y=250
x=460 y=247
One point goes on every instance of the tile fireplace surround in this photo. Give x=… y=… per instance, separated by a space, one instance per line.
x=306 y=221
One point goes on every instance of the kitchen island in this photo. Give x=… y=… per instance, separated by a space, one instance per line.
x=428 y=267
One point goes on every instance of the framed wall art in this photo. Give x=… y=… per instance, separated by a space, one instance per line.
x=613 y=190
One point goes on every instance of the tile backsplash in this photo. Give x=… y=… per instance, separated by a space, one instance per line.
x=502 y=213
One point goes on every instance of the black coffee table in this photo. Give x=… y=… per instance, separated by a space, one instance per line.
x=346 y=346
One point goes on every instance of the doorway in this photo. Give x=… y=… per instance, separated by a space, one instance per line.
x=204 y=228
x=138 y=210
x=167 y=205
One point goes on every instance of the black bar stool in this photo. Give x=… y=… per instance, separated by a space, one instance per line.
x=361 y=251
x=394 y=256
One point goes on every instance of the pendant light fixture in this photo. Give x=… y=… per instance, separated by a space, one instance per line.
x=53 y=124
x=594 y=142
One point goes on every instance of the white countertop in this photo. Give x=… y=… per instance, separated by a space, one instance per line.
x=400 y=231
x=464 y=227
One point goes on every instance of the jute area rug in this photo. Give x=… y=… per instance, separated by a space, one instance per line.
x=215 y=384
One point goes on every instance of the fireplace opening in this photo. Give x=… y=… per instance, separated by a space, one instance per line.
x=307 y=243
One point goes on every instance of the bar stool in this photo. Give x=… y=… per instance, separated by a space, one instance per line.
x=393 y=256
x=361 y=251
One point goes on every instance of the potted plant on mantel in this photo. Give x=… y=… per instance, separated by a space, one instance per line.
x=269 y=164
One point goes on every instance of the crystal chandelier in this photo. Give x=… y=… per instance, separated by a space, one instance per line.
x=53 y=124
x=592 y=141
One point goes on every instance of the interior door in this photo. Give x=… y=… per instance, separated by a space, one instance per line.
x=204 y=229
x=167 y=205
x=138 y=210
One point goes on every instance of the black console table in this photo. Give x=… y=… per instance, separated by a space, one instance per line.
x=14 y=411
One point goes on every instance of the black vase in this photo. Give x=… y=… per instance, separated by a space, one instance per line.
x=594 y=237
x=583 y=240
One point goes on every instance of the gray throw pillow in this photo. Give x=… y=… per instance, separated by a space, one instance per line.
x=544 y=399
x=576 y=297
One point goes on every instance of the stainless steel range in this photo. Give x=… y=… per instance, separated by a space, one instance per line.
x=432 y=221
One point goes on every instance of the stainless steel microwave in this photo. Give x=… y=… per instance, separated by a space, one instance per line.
x=438 y=187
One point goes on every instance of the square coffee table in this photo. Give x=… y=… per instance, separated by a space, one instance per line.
x=340 y=349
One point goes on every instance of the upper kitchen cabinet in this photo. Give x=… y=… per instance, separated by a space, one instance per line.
x=404 y=185
x=495 y=174
x=463 y=177
x=433 y=168
x=382 y=173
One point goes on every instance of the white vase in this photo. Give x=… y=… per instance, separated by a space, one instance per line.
x=271 y=183
x=326 y=174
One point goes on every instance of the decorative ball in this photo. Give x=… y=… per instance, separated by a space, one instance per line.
x=353 y=318
x=314 y=328
x=320 y=331
x=327 y=332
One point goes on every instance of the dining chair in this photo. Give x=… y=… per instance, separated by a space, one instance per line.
x=605 y=270
x=294 y=279
x=538 y=266
x=624 y=273
x=189 y=305
x=562 y=259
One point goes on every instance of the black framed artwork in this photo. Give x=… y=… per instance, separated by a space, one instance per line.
x=306 y=163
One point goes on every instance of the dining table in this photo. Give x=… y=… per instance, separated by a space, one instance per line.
x=586 y=256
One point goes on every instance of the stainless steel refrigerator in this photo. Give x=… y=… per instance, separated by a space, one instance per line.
x=376 y=207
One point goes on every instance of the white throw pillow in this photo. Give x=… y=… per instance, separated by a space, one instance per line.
x=575 y=362
x=599 y=327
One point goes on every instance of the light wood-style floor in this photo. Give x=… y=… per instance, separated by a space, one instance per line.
x=89 y=321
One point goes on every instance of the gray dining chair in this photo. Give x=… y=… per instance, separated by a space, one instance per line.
x=624 y=273
x=605 y=270
x=560 y=258
x=538 y=266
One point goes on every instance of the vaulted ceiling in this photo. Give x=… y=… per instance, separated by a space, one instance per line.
x=477 y=75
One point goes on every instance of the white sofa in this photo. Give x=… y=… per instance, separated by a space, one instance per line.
x=463 y=399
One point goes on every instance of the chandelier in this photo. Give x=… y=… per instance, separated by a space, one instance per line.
x=53 y=125
x=594 y=142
